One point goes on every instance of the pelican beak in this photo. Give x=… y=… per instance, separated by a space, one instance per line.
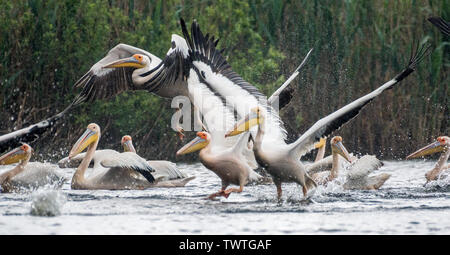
x=88 y=137
x=427 y=150
x=245 y=124
x=125 y=62
x=321 y=143
x=341 y=150
x=13 y=156
x=196 y=144
x=128 y=146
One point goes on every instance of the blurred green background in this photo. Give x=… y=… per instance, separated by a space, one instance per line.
x=358 y=45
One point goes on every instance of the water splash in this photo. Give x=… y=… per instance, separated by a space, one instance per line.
x=47 y=202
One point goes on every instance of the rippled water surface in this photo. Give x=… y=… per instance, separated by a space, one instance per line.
x=402 y=206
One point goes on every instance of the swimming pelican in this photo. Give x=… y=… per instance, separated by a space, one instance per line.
x=281 y=160
x=442 y=145
x=357 y=175
x=163 y=168
x=24 y=175
x=118 y=170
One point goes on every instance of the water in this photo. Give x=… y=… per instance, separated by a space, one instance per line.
x=402 y=206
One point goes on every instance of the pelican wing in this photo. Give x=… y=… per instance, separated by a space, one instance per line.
x=129 y=160
x=103 y=83
x=443 y=25
x=220 y=78
x=325 y=126
x=33 y=132
x=172 y=70
x=167 y=169
x=283 y=94
x=363 y=167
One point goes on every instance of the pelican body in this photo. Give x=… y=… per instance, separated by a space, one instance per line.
x=27 y=176
x=442 y=144
x=228 y=164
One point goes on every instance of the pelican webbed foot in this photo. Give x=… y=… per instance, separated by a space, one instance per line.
x=221 y=192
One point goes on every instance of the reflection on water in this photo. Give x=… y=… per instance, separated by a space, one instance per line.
x=402 y=206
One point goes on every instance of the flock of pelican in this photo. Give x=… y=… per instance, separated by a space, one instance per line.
x=242 y=130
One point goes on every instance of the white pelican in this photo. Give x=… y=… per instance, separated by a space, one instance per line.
x=357 y=174
x=163 y=168
x=281 y=160
x=441 y=168
x=231 y=160
x=118 y=170
x=27 y=176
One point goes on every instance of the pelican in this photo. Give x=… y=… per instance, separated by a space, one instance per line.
x=357 y=175
x=166 y=169
x=115 y=170
x=281 y=160
x=229 y=164
x=322 y=163
x=440 y=170
x=24 y=175
x=232 y=161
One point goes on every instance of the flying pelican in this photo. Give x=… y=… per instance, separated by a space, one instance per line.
x=24 y=175
x=117 y=170
x=442 y=144
x=281 y=160
x=166 y=169
x=357 y=175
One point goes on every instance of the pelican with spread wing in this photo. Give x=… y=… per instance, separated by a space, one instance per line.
x=281 y=160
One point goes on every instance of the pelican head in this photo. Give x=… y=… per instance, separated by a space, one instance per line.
x=90 y=136
x=338 y=147
x=198 y=143
x=127 y=144
x=255 y=117
x=19 y=154
x=136 y=61
x=442 y=143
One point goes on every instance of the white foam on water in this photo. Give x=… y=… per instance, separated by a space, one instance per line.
x=47 y=202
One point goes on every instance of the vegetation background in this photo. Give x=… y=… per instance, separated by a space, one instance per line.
x=45 y=46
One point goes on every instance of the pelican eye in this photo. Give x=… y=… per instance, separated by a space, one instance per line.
x=173 y=45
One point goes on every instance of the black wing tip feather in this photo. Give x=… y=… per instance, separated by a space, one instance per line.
x=417 y=56
x=146 y=173
x=440 y=23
